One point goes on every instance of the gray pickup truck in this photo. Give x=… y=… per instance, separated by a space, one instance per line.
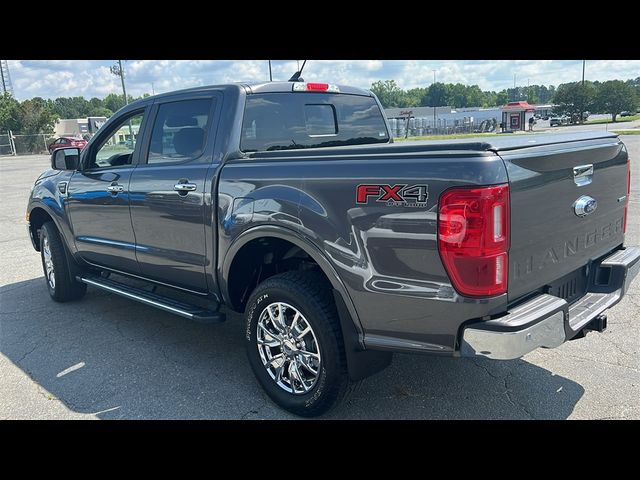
x=289 y=202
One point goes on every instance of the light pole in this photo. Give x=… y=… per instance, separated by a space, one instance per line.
x=582 y=107
x=434 y=107
x=270 y=76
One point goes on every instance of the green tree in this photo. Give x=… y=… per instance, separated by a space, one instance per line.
x=615 y=96
x=437 y=95
x=388 y=92
x=71 y=107
x=531 y=94
x=474 y=96
x=457 y=95
x=100 y=112
x=502 y=98
x=35 y=118
x=9 y=114
x=573 y=99
x=413 y=97
x=489 y=99
x=115 y=102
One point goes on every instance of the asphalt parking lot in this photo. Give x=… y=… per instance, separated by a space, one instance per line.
x=108 y=358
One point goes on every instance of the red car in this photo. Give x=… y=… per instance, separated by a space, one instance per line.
x=67 y=142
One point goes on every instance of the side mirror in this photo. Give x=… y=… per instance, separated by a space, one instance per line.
x=65 y=158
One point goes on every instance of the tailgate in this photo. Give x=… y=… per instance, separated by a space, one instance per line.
x=549 y=240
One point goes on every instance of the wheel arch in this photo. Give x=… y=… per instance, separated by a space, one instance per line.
x=283 y=233
x=38 y=216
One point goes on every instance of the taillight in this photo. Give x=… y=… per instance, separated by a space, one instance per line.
x=626 y=205
x=315 y=87
x=473 y=239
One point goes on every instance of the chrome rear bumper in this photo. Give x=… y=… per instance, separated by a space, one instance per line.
x=548 y=321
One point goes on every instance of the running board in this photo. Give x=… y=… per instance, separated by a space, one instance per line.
x=192 y=312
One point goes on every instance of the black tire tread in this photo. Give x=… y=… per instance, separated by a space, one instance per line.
x=315 y=288
x=67 y=288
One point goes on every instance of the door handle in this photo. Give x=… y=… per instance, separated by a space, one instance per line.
x=62 y=187
x=115 y=189
x=185 y=187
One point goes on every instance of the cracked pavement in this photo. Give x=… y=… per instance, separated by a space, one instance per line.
x=107 y=358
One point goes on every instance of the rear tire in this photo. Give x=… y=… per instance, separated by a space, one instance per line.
x=307 y=296
x=60 y=280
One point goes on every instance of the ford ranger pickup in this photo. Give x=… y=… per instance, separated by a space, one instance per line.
x=289 y=203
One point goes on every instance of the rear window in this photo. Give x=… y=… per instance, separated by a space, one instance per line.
x=282 y=121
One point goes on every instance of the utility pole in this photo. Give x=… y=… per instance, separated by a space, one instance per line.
x=119 y=71
x=514 y=88
x=153 y=90
x=434 y=107
x=583 y=62
x=124 y=90
x=270 y=76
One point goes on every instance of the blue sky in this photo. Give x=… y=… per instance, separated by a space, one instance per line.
x=55 y=78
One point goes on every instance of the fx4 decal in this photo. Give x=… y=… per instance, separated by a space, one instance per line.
x=394 y=195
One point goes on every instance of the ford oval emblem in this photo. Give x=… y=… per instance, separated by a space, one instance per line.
x=585 y=205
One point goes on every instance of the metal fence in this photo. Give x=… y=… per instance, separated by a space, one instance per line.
x=18 y=144
x=6 y=146
x=442 y=126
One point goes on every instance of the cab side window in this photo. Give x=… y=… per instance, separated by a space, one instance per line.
x=117 y=149
x=180 y=131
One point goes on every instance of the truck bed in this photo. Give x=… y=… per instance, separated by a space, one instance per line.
x=497 y=143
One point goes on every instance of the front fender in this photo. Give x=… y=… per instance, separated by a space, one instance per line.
x=46 y=196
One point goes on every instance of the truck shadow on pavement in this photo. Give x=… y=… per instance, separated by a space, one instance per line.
x=114 y=358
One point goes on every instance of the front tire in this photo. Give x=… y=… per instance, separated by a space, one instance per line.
x=60 y=280
x=294 y=343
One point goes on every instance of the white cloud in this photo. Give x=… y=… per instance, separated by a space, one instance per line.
x=54 y=78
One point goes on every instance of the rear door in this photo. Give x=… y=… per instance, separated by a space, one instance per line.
x=171 y=191
x=553 y=240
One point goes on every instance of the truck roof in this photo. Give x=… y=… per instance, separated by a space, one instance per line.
x=251 y=88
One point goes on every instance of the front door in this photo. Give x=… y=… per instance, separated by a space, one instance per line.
x=98 y=198
x=170 y=194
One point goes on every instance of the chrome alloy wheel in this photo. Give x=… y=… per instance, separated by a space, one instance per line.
x=48 y=263
x=288 y=348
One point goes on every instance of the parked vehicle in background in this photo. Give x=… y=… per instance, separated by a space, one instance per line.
x=64 y=142
x=626 y=113
x=556 y=121
x=289 y=203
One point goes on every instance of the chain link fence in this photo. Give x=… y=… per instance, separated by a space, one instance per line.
x=32 y=144
x=20 y=144
x=441 y=126
x=6 y=147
